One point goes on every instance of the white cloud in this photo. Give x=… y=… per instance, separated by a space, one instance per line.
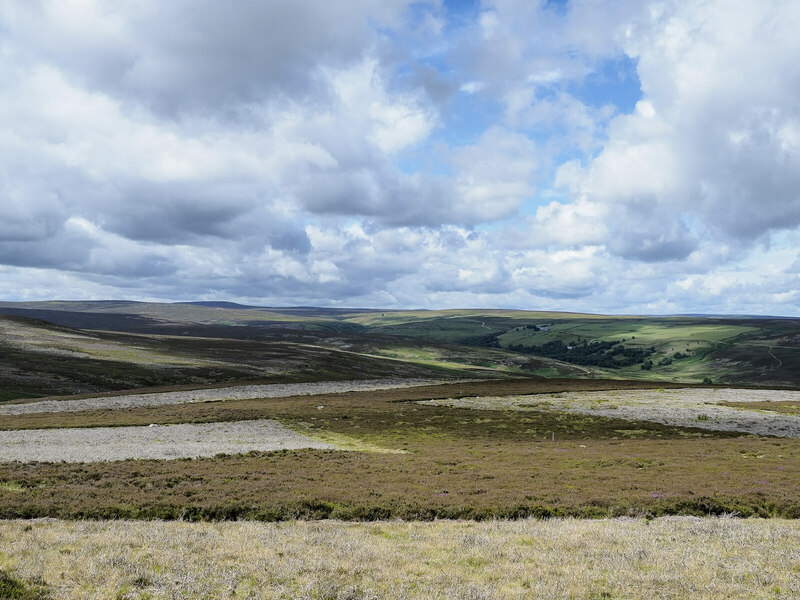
x=311 y=153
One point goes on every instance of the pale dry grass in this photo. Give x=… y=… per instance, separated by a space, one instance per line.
x=678 y=557
x=682 y=407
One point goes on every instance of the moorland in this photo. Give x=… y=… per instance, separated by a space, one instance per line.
x=641 y=424
x=135 y=344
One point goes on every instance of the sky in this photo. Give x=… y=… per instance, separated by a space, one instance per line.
x=619 y=157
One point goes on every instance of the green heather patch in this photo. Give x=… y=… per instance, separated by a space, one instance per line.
x=11 y=486
x=13 y=588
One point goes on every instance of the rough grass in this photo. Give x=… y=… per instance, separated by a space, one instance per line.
x=668 y=335
x=671 y=558
x=14 y=588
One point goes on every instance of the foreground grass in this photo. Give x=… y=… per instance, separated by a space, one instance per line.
x=664 y=558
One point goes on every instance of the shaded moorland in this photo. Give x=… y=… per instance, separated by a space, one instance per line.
x=38 y=359
x=237 y=343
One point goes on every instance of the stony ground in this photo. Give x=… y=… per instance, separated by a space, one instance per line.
x=167 y=441
x=690 y=407
x=239 y=392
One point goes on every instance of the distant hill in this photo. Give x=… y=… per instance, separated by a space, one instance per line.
x=753 y=350
x=219 y=304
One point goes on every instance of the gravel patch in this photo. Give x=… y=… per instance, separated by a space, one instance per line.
x=678 y=407
x=241 y=392
x=97 y=444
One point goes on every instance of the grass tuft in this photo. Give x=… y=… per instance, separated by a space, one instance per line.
x=13 y=588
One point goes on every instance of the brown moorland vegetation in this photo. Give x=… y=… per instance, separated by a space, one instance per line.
x=455 y=463
x=787 y=408
x=296 y=407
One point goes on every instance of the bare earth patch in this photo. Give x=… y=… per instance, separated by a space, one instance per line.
x=163 y=442
x=239 y=392
x=672 y=558
x=688 y=407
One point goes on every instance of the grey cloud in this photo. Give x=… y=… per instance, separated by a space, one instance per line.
x=184 y=54
x=439 y=88
x=733 y=114
x=656 y=248
x=716 y=140
x=566 y=293
x=649 y=237
x=59 y=252
x=186 y=213
x=794 y=269
x=517 y=43
x=36 y=225
x=70 y=249
x=751 y=185
x=171 y=220
x=391 y=199
x=489 y=179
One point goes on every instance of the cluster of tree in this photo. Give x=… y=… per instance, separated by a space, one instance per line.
x=596 y=354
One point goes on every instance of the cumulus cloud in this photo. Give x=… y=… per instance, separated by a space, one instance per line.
x=714 y=142
x=196 y=55
x=402 y=153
